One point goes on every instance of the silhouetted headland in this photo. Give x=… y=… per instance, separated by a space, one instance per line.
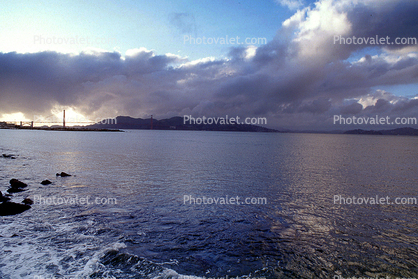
x=394 y=132
x=175 y=123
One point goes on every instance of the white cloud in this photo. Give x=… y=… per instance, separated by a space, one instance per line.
x=371 y=99
x=136 y=51
x=291 y=4
x=198 y=61
x=316 y=28
x=296 y=19
x=250 y=52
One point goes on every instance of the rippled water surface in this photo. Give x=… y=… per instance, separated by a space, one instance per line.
x=151 y=233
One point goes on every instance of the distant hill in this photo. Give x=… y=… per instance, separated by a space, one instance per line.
x=174 y=123
x=399 y=131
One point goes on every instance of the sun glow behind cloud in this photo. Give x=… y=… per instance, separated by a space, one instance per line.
x=72 y=118
x=14 y=117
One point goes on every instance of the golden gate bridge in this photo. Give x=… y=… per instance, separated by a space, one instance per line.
x=24 y=123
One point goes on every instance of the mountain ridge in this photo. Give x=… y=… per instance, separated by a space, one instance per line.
x=174 y=123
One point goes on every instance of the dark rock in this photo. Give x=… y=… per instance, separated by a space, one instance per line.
x=15 y=190
x=16 y=186
x=14 y=183
x=63 y=174
x=11 y=208
x=9 y=156
x=3 y=198
x=46 y=182
x=27 y=201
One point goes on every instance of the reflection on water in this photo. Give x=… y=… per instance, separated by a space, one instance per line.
x=299 y=233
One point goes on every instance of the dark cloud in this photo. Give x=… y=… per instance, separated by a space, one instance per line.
x=395 y=19
x=316 y=106
x=351 y=109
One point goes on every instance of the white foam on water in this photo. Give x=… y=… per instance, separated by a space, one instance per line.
x=94 y=262
x=30 y=249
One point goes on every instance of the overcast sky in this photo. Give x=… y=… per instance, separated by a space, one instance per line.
x=137 y=58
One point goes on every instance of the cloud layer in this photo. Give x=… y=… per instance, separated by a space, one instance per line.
x=299 y=80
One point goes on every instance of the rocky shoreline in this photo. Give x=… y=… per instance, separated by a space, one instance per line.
x=7 y=207
x=11 y=208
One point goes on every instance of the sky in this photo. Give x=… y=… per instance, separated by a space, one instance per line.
x=101 y=59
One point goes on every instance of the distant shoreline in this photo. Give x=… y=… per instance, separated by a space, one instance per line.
x=407 y=131
x=77 y=129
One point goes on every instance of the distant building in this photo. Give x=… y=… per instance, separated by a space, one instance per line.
x=5 y=125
